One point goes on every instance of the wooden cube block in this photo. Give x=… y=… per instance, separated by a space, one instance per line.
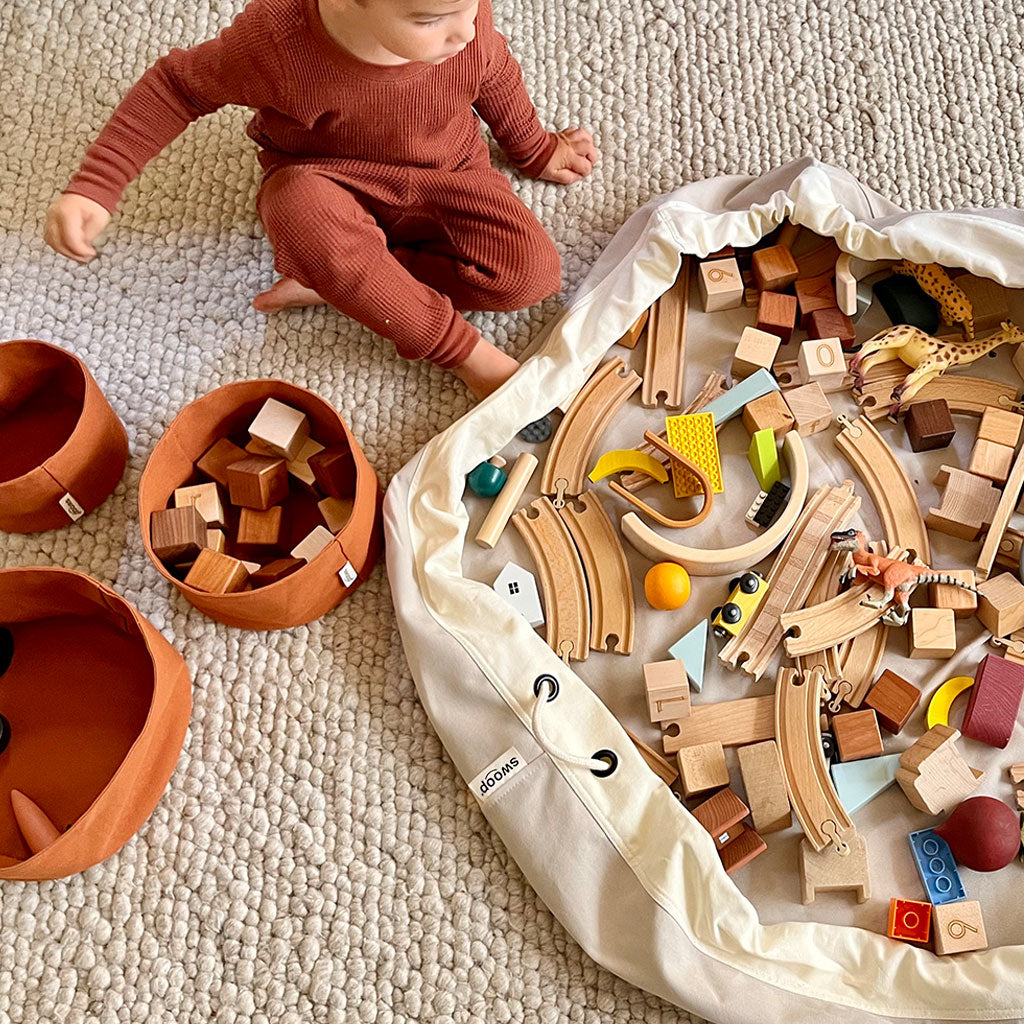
x=215 y=573
x=300 y=468
x=668 y=691
x=769 y=412
x=991 y=460
x=832 y=323
x=929 y=425
x=745 y=845
x=216 y=540
x=1001 y=604
x=933 y=775
x=756 y=350
x=256 y=447
x=856 y=734
x=720 y=284
x=335 y=512
x=964 y=603
x=810 y=407
x=932 y=633
x=909 y=920
x=968 y=504
x=813 y=294
x=276 y=570
x=774 y=268
x=312 y=544
x=991 y=301
x=335 y=471
x=702 y=768
x=1000 y=426
x=958 y=927
x=822 y=360
x=894 y=700
x=177 y=534
x=216 y=459
x=776 y=314
x=258 y=481
x=259 y=531
x=765 y=786
x=206 y=499
x=995 y=701
x=281 y=428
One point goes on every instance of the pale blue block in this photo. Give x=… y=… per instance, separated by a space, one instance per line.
x=691 y=651
x=724 y=407
x=936 y=866
x=858 y=782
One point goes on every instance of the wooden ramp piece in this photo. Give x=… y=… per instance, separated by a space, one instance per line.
x=561 y=575
x=581 y=428
x=1001 y=518
x=666 y=344
x=608 y=580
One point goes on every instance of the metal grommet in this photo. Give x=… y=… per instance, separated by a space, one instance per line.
x=5 y=733
x=546 y=677
x=605 y=755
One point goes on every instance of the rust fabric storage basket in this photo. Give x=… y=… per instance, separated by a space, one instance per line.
x=316 y=588
x=98 y=704
x=62 y=447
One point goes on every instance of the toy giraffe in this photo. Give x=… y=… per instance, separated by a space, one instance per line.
x=956 y=308
x=928 y=356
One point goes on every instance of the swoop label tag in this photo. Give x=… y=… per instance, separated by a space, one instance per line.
x=347 y=574
x=497 y=773
x=71 y=507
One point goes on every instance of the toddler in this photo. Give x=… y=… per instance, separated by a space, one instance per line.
x=378 y=194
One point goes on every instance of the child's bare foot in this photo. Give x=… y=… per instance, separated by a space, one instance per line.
x=486 y=369
x=285 y=294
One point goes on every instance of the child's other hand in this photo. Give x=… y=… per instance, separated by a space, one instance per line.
x=573 y=159
x=72 y=224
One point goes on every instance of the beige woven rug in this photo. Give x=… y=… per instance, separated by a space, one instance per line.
x=315 y=857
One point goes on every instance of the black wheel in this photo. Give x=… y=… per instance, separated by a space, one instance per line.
x=720 y=633
x=731 y=613
x=715 y=612
x=750 y=582
x=734 y=583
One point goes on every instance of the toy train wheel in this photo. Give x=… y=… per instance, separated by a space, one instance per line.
x=731 y=613
x=750 y=583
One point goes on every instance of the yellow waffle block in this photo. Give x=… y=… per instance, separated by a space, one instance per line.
x=694 y=436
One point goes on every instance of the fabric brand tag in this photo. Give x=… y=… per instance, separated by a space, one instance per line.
x=497 y=773
x=347 y=574
x=71 y=507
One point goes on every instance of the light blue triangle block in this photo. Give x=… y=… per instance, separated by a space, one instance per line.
x=858 y=782
x=690 y=650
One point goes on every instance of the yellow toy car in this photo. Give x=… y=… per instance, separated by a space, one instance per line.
x=746 y=594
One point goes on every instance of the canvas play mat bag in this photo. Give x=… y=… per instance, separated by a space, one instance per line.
x=615 y=855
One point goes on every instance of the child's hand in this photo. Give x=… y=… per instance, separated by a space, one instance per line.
x=72 y=223
x=573 y=159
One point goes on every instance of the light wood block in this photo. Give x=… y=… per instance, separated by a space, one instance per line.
x=990 y=460
x=958 y=927
x=933 y=774
x=1001 y=604
x=776 y=314
x=720 y=284
x=810 y=407
x=667 y=689
x=765 y=786
x=991 y=301
x=968 y=506
x=255 y=447
x=177 y=535
x=258 y=481
x=963 y=603
x=822 y=360
x=702 y=768
x=769 y=412
x=932 y=633
x=260 y=531
x=216 y=540
x=774 y=268
x=632 y=336
x=216 y=459
x=206 y=498
x=281 y=428
x=857 y=735
x=300 y=468
x=1000 y=426
x=731 y=722
x=828 y=871
x=313 y=543
x=215 y=573
x=335 y=512
x=756 y=350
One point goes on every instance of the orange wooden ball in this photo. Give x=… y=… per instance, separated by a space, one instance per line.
x=667 y=586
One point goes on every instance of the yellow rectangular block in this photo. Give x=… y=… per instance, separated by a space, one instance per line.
x=694 y=436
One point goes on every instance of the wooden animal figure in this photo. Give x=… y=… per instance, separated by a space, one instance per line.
x=955 y=306
x=927 y=355
x=898 y=579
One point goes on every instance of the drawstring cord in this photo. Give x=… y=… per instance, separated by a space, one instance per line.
x=545 y=689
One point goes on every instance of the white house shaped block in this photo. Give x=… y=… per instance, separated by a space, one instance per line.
x=518 y=586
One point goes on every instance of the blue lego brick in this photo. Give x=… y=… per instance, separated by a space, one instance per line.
x=936 y=866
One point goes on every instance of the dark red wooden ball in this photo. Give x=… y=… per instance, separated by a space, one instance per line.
x=983 y=833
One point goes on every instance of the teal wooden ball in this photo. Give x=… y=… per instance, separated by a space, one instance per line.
x=486 y=480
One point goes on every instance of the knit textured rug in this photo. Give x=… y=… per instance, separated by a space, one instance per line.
x=315 y=856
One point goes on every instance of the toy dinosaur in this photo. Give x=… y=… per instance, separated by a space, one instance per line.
x=898 y=579
x=928 y=356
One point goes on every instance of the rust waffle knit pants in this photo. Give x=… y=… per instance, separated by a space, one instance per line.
x=401 y=249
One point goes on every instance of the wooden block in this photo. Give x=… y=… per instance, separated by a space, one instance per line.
x=995 y=701
x=741 y=849
x=281 y=428
x=215 y=573
x=255 y=447
x=763 y=457
x=632 y=336
x=300 y=468
x=756 y=349
x=969 y=504
x=769 y=412
x=963 y=603
x=702 y=767
x=991 y=301
x=258 y=481
x=335 y=512
x=1001 y=604
x=335 y=471
x=206 y=499
x=774 y=268
x=810 y=407
x=665 y=770
x=893 y=700
x=820 y=258
x=216 y=459
x=216 y=540
x=177 y=534
x=832 y=323
x=776 y=314
x=929 y=425
x=720 y=284
x=826 y=870
x=909 y=920
x=814 y=294
x=933 y=774
x=958 y=927
x=932 y=633
x=822 y=360
x=312 y=544
x=751 y=297
x=765 y=786
x=259 y=531
x=857 y=735
x=668 y=691
x=1000 y=426
x=731 y=722
x=719 y=813
x=990 y=460
x=276 y=570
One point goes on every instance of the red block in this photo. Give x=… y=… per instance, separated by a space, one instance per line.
x=995 y=701
x=909 y=920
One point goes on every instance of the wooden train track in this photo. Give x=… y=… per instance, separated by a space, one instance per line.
x=967 y=396
x=721 y=561
x=1001 y=518
x=612 y=608
x=566 y=608
x=792 y=576
x=815 y=802
x=861 y=661
x=665 y=354
x=581 y=428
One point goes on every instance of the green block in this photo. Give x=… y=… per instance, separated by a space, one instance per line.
x=764 y=458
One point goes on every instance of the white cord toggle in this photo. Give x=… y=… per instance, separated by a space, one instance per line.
x=593 y=763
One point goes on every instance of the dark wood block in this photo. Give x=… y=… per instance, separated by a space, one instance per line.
x=216 y=459
x=276 y=570
x=857 y=735
x=335 y=471
x=742 y=849
x=259 y=532
x=832 y=323
x=774 y=268
x=215 y=573
x=894 y=700
x=929 y=425
x=258 y=481
x=814 y=293
x=177 y=534
x=776 y=314
x=720 y=812
x=995 y=701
